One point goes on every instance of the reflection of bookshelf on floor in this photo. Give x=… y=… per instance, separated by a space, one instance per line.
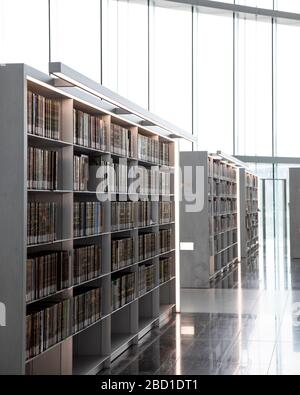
x=98 y=274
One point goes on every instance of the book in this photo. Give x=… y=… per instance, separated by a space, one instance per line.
x=148 y=149
x=122 y=253
x=146 y=278
x=123 y=290
x=166 y=212
x=87 y=263
x=165 y=240
x=86 y=308
x=123 y=215
x=88 y=218
x=164 y=153
x=147 y=245
x=42 y=169
x=122 y=141
x=43 y=116
x=166 y=266
x=46 y=325
x=90 y=131
x=81 y=172
x=41 y=222
x=47 y=273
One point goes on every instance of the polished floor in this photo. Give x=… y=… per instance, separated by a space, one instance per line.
x=249 y=323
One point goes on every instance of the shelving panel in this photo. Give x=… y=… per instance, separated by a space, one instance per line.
x=95 y=345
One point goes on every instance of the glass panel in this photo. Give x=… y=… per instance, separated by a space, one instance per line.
x=24 y=32
x=213 y=82
x=256 y=3
x=75 y=35
x=254 y=88
x=171 y=64
x=125 y=49
x=288 y=87
x=288 y=5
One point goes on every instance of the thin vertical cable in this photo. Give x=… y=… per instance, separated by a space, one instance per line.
x=193 y=101
x=101 y=42
x=148 y=60
x=49 y=30
x=234 y=86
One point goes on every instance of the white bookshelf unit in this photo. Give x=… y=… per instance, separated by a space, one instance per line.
x=249 y=215
x=104 y=328
x=214 y=229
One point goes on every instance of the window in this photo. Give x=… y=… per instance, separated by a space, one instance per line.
x=125 y=49
x=288 y=88
x=253 y=87
x=171 y=64
x=213 y=82
x=288 y=5
x=75 y=35
x=24 y=32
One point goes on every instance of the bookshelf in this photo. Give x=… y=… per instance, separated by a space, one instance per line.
x=212 y=232
x=249 y=237
x=91 y=239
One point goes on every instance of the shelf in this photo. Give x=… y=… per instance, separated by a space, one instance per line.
x=124 y=268
x=146 y=322
x=91 y=236
x=166 y=308
x=48 y=243
x=47 y=142
x=120 y=339
x=48 y=296
x=89 y=326
x=48 y=191
x=125 y=305
x=87 y=150
x=88 y=364
x=168 y=281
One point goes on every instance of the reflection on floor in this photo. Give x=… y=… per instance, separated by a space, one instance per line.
x=247 y=324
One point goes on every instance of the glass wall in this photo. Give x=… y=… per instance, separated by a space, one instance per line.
x=76 y=35
x=234 y=82
x=125 y=48
x=287 y=91
x=253 y=87
x=213 y=81
x=171 y=64
x=24 y=32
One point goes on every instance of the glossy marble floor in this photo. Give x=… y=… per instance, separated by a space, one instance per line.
x=249 y=323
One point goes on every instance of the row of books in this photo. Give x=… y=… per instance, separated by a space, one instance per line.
x=90 y=131
x=119 y=183
x=166 y=267
x=147 y=246
x=224 y=170
x=223 y=258
x=164 y=153
x=42 y=169
x=224 y=223
x=88 y=218
x=251 y=193
x=251 y=181
x=87 y=263
x=148 y=149
x=86 y=309
x=224 y=205
x=46 y=326
x=166 y=212
x=146 y=278
x=41 y=222
x=43 y=116
x=122 y=253
x=224 y=188
x=47 y=274
x=145 y=214
x=123 y=290
x=122 y=141
x=251 y=206
x=123 y=215
x=165 y=240
x=81 y=172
